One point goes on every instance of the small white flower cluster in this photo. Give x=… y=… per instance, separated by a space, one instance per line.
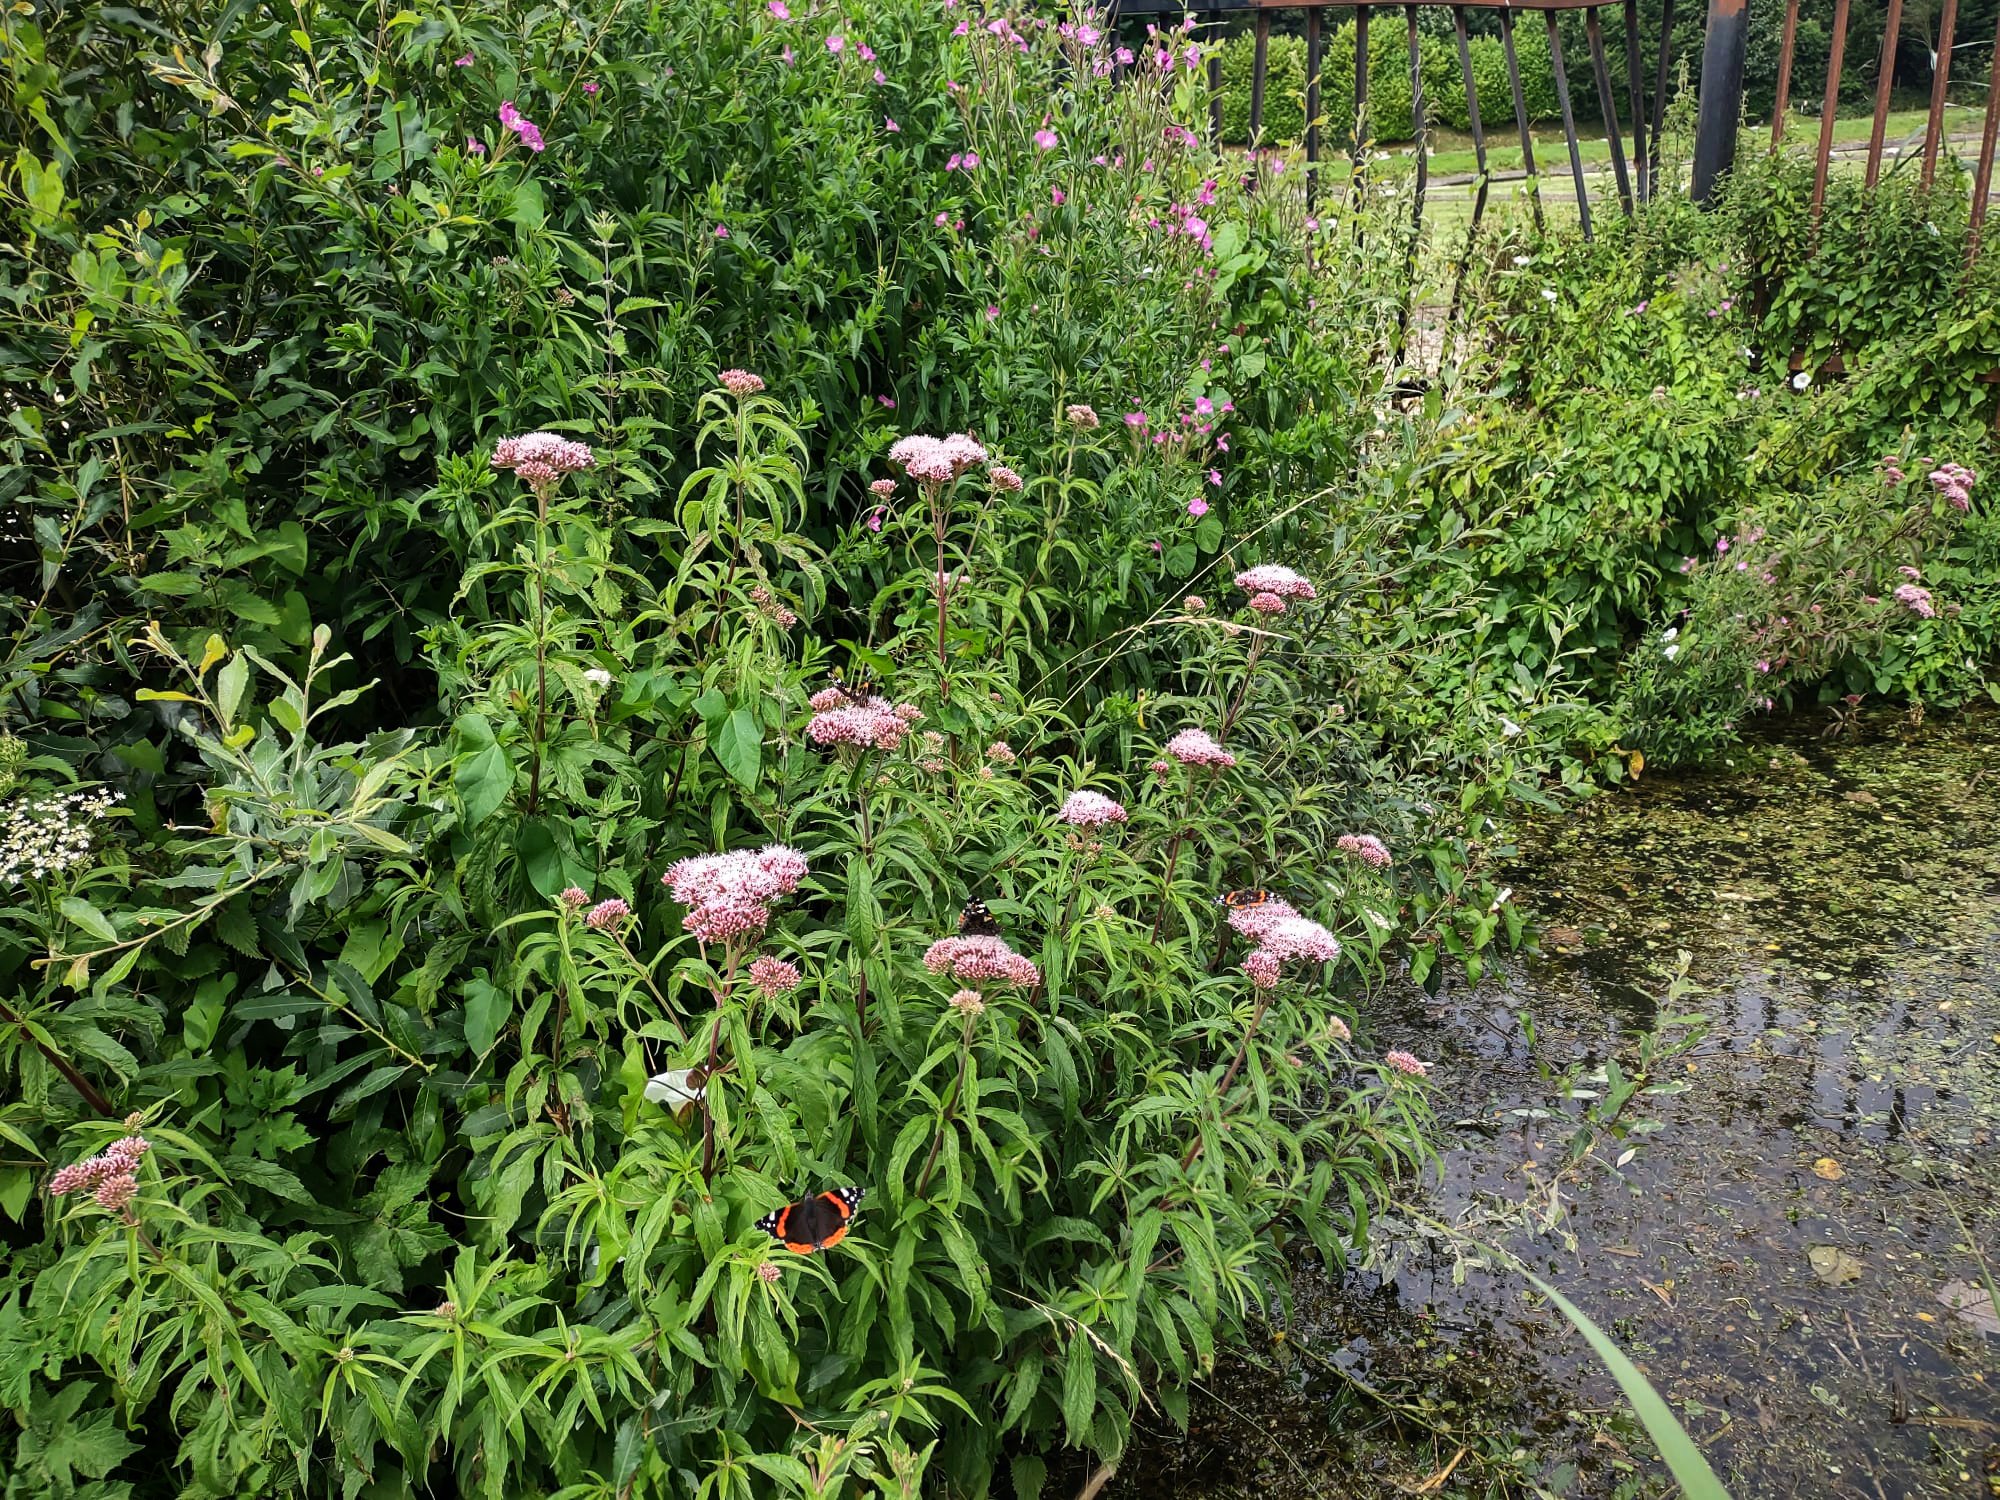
x=48 y=835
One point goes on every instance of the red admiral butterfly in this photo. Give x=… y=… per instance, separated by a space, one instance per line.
x=977 y=920
x=857 y=690
x=1247 y=897
x=816 y=1223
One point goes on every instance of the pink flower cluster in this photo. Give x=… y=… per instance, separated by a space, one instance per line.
x=977 y=958
x=1197 y=747
x=112 y=1173
x=1282 y=583
x=1917 y=600
x=542 y=458
x=932 y=460
x=521 y=125
x=771 y=607
x=741 y=382
x=728 y=895
x=1954 y=482
x=1081 y=416
x=772 y=977
x=1365 y=847
x=1004 y=479
x=1282 y=936
x=1404 y=1062
x=1091 y=810
x=872 y=725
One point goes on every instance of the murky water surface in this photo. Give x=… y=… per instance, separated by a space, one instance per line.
x=1789 y=1255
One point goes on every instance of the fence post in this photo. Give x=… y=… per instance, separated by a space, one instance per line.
x=1721 y=93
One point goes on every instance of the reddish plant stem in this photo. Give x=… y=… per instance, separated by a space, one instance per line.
x=721 y=995
x=85 y=1089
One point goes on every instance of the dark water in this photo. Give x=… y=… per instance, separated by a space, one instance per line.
x=1789 y=1253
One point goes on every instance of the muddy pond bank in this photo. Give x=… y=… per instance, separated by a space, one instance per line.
x=1787 y=1251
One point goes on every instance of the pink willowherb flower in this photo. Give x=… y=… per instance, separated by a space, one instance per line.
x=836 y=45
x=779 y=10
x=773 y=977
x=1197 y=747
x=1365 y=847
x=722 y=231
x=1045 y=138
x=521 y=125
x=474 y=146
x=1087 y=809
x=591 y=88
x=1004 y=479
x=1197 y=507
x=873 y=725
x=607 y=914
x=1404 y=1062
x=729 y=895
x=1917 y=600
x=935 y=461
x=1270 y=578
x=541 y=459
x=977 y=958
x=464 y=60
x=741 y=382
x=574 y=896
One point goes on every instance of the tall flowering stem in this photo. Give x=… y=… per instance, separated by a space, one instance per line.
x=969 y=1003
x=540 y=460
x=1197 y=750
x=936 y=464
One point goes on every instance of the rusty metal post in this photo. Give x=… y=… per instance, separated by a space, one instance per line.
x=1607 y=104
x=1471 y=116
x=1422 y=134
x=1824 y=157
x=1721 y=93
x=1786 y=47
x=1259 y=67
x=1636 y=90
x=1885 y=78
x=1215 y=81
x=1941 y=79
x=1982 y=182
x=1660 y=89
x=1521 y=116
x=1312 y=106
x=1569 y=121
x=1357 y=151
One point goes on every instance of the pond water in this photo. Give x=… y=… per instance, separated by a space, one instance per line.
x=1789 y=1253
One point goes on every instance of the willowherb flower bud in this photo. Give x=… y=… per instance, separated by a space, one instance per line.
x=1081 y=416
x=607 y=914
x=967 y=1002
x=741 y=382
x=541 y=459
x=1267 y=604
x=1404 y=1062
x=574 y=896
x=772 y=977
x=1004 y=479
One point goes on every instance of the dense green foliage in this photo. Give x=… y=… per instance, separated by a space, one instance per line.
x=352 y=750
x=373 y=953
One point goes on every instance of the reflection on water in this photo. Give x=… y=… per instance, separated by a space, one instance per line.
x=1839 y=903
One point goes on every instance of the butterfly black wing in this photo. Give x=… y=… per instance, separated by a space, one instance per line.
x=977 y=920
x=813 y=1223
x=1247 y=897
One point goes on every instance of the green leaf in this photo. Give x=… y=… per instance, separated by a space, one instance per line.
x=486 y=1008
x=739 y=745
x=482 y=775
x=1697 y=1480
x=1079 y=1397
x=89 y=918
x=229 y=685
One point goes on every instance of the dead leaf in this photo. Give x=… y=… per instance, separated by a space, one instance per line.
x=1833 y=1265
x=1972 y=1304
x=1564 y=934
x=1866 y=799
x=1827 y=1169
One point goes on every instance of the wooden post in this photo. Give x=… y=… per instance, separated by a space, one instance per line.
x=1357 y=150
x=1982 y=182
x=1636 y=90
x=1884 y=79
x=1607 y=104
x=1521 y=116
x=1786 y=47
x=1312 y=105
x=1569 y=121
x=1940 y=80
x=1257 y=71
x=1721 y=93
x=1826 y=107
